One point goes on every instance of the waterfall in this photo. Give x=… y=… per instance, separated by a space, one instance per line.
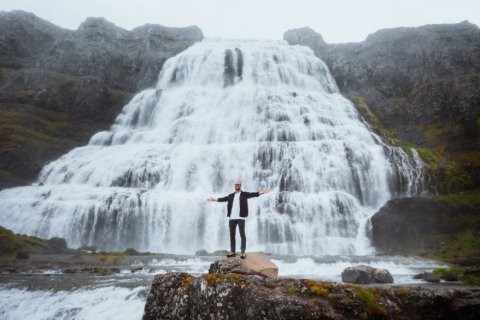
x=264 y=112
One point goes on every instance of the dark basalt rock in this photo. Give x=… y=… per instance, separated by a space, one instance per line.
x=366 y=275
x=57 y=245
x=403 y=226
x=448 y=276
x=427 y=276
x=22 y=255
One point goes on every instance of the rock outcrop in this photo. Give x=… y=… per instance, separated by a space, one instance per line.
x=58 y=87
x=444 y=227
x=422 y=84
x=251 y=265
x=235 y=296
x=366 y=275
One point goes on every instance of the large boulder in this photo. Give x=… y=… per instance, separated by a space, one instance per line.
x=251 y=265
x=366 y=275
x=422 y=225
x=235 y=296
x=57 y=244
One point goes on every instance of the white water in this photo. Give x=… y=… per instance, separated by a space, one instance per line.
x=282 y=124
x=109 y=302
x=123 y=296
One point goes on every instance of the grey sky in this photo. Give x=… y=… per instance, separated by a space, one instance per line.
x=336 y=20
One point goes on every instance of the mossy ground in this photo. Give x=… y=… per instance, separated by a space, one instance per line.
x=38 y=129
x=372 y=306
x=454 y=171
x=11 y=243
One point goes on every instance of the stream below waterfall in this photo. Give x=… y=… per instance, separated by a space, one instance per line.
x=53 y=295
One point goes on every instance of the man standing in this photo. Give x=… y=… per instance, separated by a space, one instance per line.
x=237 y=211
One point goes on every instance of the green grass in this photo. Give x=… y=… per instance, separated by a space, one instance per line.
x=11 y=243
x=371 y=304
x=457 y=246
x=453 y=270
x=370 y=117
x=466 y=198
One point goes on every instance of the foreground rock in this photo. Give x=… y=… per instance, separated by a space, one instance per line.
x=251 y=265
x=366 y=275
x=235 y=296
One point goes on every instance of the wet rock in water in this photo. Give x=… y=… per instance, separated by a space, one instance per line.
x=88 y=248
x=365 y=275
x=234 y=296
x=449 y=276
x=202 y=252
x=132 y=252
x=251 y=265
x=57 y=244
x=427 y=276
x=382 y=276
x=22 y=255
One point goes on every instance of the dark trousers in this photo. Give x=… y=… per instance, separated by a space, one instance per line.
x=241 y=226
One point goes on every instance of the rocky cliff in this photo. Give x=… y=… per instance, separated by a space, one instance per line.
x=422 y=85
x=445 y=227
x=58 y=87
x=235 y=296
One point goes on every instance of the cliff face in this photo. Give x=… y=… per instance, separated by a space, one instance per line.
x=58 y=86
x=423 y=86
x=445 y=227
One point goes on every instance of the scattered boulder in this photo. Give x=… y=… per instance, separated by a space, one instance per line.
x=22 y=255
x=449 y=276
x=251 y=265
x=202 y=252
x=362 y=274
x=132 y=252
x=382 y=276
x=57 y=244
x=220 y=252
x=427 y=276
x=133 y=270
x=88 y=248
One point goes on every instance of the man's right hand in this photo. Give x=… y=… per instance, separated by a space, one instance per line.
x=211 y=199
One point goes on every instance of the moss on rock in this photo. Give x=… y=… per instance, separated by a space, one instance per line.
x=11 y=243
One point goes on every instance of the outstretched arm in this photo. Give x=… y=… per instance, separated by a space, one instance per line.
x=256 y=194
x=265 y=190
x=223 y=199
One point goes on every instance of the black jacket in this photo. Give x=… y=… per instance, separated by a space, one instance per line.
x=244 y=196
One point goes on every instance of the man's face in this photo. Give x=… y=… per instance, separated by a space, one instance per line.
x=238 y=186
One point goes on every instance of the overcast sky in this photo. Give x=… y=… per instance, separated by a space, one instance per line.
x=336 y=20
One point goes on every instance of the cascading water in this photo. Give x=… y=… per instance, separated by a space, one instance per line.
x=265 y=112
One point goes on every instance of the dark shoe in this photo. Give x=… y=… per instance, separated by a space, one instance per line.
x=231 y=255
x=243 y=256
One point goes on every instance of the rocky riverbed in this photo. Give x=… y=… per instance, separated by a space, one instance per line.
x=116 y=285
